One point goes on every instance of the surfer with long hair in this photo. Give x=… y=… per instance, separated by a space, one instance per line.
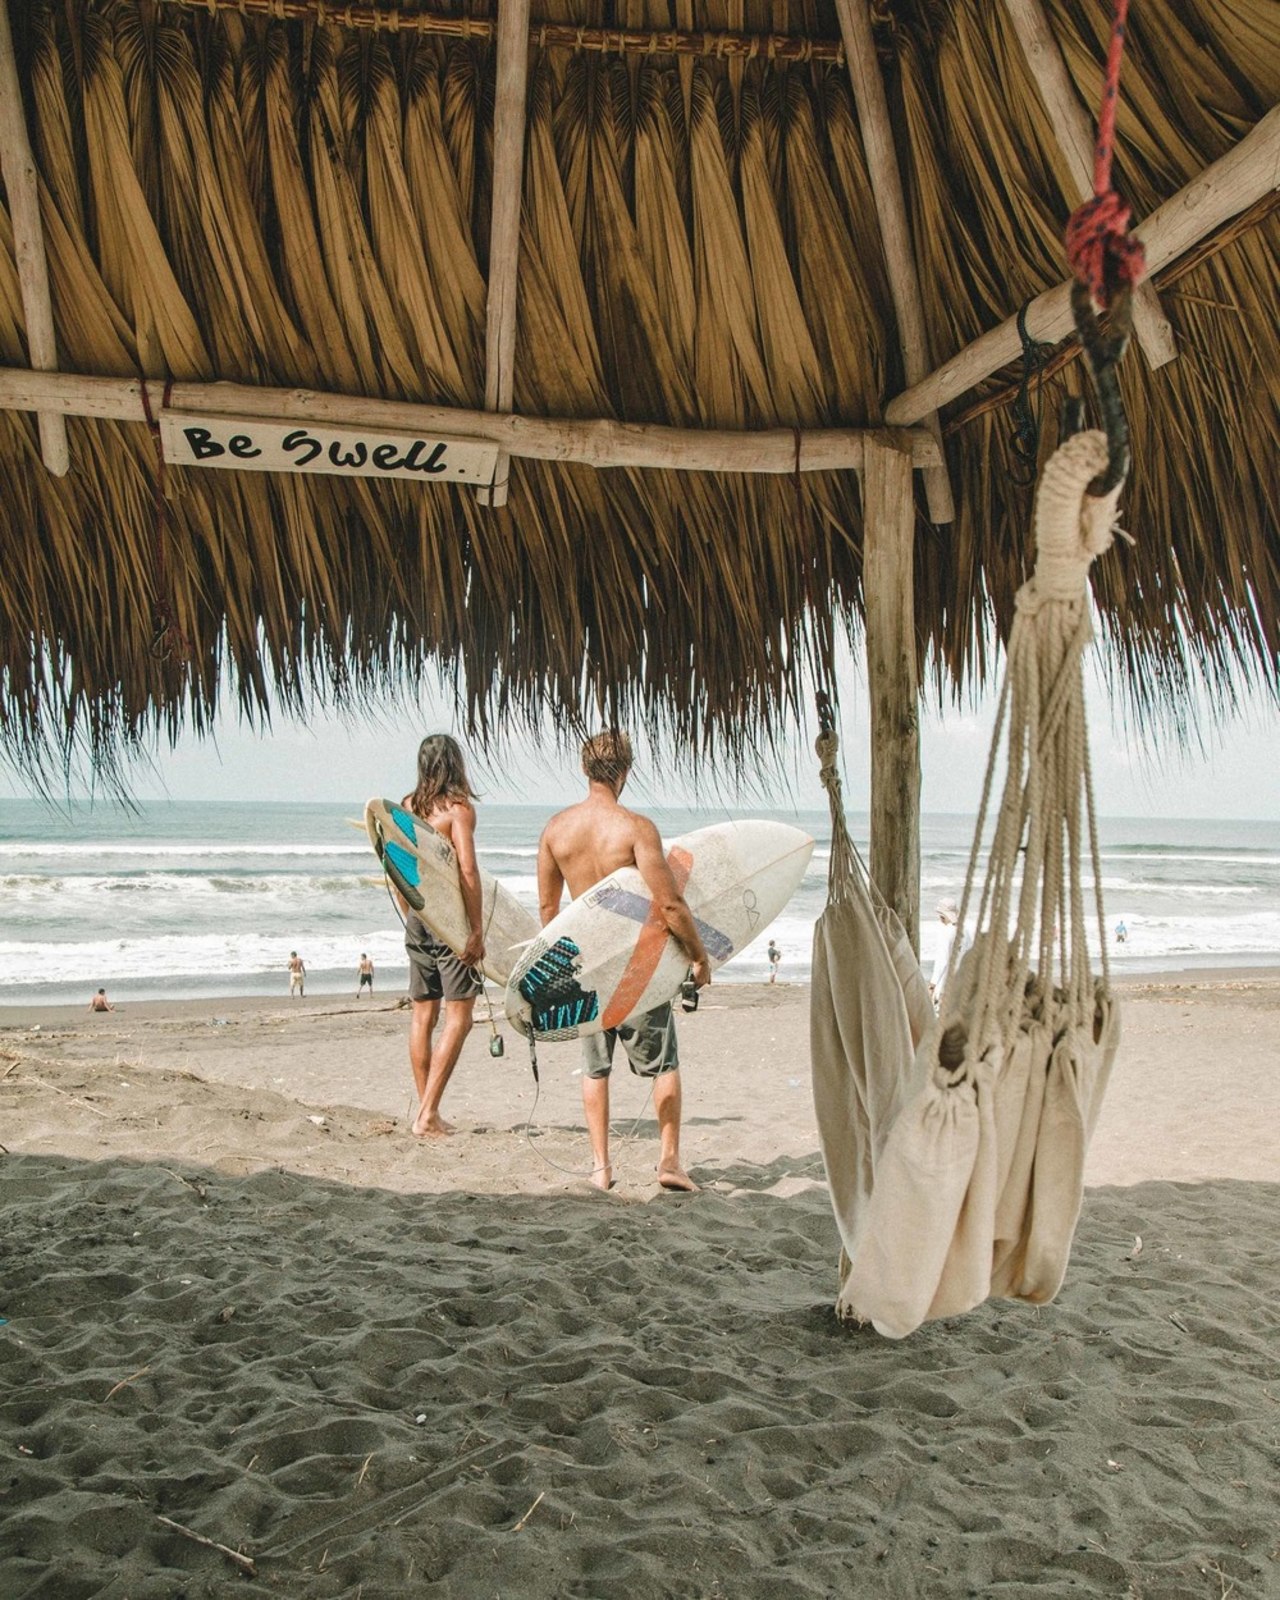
x=444 y=799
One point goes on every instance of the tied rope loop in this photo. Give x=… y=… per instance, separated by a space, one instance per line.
x=1102 y=252
x=1036 y=355
x=1071 y=528
x=1108 y=263
x=840 y=867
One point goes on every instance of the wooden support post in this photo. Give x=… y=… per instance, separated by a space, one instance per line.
x=22 y=185
x=1227 y=187
x=888 y=591
x=504 y=228
x=895 y=232
x=1072 y=130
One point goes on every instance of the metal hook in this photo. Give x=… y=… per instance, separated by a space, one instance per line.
x=1103 y=353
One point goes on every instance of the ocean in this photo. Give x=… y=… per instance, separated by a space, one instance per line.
x=183 y=900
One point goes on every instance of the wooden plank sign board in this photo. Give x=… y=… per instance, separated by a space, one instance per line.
x=254 y=445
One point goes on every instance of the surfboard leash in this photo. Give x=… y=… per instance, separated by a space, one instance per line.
x=575 y=1172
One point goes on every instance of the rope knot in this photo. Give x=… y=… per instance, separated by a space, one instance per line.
x=1071 y=526
x=826 y=748
x=1102 y=253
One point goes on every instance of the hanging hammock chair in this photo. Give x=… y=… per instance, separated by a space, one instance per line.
x=954 y=1145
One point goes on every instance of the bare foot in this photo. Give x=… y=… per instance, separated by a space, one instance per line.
x=602 y=1177
x=675 y=1177
x=434 y=1127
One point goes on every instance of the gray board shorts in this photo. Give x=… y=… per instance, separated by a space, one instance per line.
x=649 y=1040
x=435 y=973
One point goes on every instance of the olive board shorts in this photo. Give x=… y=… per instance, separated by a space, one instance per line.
x=435 y=973
x=650 y=1043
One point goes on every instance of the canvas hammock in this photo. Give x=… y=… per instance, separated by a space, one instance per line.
x=954 y=1145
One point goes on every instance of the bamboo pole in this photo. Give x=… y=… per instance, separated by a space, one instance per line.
x=681 y=40
x=1248 y=171
x=1211 y=245
x=23 y=188
x=598 y=443
x=504 y=226
x=888 y=593
x=895 y=233
x=1072 y=131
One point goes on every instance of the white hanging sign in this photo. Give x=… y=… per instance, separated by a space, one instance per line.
x=251 y=444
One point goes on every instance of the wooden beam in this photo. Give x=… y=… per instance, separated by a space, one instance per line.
x=1074 y=136
x=681 y=40
x=1248 y=171
x=22 y=184
x=510 y=98
x=891 y=209
x=594 y=443
x=888 y=592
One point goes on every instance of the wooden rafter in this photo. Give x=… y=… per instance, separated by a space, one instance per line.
x=1248 y=171
x=895 y=233
x=504 y=228
x=681 y=41
x=594 y=443
x=1208 y=247
x=23 y=188
x=1070 y=124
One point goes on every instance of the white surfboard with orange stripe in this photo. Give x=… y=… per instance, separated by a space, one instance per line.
x=608 y=956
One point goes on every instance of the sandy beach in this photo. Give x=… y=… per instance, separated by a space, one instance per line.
x=244 y=1306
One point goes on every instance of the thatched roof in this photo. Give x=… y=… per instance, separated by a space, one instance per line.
x=229 y=195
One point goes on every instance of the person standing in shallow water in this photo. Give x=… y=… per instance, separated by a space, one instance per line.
x=445 y=801
x=577 y=849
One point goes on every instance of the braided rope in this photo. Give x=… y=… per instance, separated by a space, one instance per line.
x=1102 y=252
x=1031 y=910
x=841 y=867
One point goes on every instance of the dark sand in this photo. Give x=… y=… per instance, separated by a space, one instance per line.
x=242 y=1298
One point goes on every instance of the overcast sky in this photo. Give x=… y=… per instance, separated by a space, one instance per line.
x=1236 y=776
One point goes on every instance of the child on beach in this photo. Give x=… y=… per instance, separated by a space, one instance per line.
x=444 y=799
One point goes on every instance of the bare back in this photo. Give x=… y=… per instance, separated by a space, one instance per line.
x=453 y=817
x=445 y=815
x=587 y=842
x=592 y=839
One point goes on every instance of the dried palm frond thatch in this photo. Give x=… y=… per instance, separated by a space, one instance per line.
x=285 y=201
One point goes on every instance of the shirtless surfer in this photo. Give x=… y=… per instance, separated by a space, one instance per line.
x=444 y=799
x=578 y=848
